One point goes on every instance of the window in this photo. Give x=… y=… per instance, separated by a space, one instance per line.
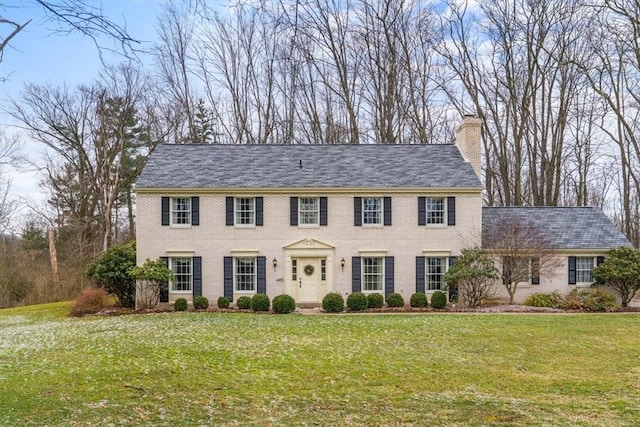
x=181 y=210
x=372 y=210
x=245 y=274
x=308 y=211
x=245 y=211
x=294 y=269
x=323 y=269
x=182 y=274
x=435 y=267
x=372 y=274
x=435 y=208
x=584 y=265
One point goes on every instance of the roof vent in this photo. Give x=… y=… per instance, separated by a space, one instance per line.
x=300 y=165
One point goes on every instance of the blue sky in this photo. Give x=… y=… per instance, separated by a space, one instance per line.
x=37 y=55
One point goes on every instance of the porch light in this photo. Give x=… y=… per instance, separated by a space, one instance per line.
x=275 y=264
x=342 y=262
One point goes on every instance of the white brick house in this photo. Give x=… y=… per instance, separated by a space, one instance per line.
x=306 y=220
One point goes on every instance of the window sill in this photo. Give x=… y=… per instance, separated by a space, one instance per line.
x=244 y=226
x=436 y=226
x=308 y=225
x=180 y=226
x=372 y=226
x=584 y=284
x=180 y=292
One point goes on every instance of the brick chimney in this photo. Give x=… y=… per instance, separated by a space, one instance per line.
x=468 y=141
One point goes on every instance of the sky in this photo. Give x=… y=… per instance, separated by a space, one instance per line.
x=39 y=56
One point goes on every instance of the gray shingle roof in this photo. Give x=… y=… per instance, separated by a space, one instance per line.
x=564 y=227
x=323 y=166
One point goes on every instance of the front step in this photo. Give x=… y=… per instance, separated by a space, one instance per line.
x=308 y=305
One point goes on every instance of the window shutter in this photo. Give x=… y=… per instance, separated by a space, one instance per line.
x=323 y=211
x=357 y=211
x=293 y=211
x=420 y=273
x=422 y=212
x=165 y=211
x=599 y=260
x=197 y=276
x=195 y=211
x=229 y=211
x=388 y=276
x=506 y=270
x=451 y=211
x=259 y=211
x=453 y=290
x=452 y=260
x=535 y=271
x=164 y=286
x=387 y=211
x=228 y=278
x=261 y=285
x=356 y=285
x=572 y=270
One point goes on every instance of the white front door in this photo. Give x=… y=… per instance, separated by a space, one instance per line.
x=308 y=278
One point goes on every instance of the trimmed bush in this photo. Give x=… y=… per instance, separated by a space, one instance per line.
x=223 y=302
x=375 y=300
x=260 y=302
x=284 y=304
x=418 y=300
x=550 y=300
x=593 y=299
x=357 y=301
x=333 y=303
x=180 y=304
x=244 y=303
x=395 y=300
x=438 y=300
x=200 y=303
x=89 y=301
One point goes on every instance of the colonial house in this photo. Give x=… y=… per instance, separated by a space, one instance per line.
x=307 y=220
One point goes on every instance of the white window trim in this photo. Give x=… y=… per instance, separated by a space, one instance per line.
x=381 y=291
x=381 y=223
x=235 y=217
x=171 y=283
x=314 y=225
x=255 y=275
x=172 y=216
x=594 y=262
x=426 y=271
x=445 y=212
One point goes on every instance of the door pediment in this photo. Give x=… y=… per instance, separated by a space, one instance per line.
x=308 y=243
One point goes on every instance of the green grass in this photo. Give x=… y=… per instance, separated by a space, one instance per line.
x=244 y=369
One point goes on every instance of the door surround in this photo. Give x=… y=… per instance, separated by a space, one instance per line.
x=308 y=248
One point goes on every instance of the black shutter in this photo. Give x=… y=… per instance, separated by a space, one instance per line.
x=420 y=273
x=451 y=211
x=452 y=260
x=165 y=211
x=357 y=211
x=228 y=278
x=195 y=211
x=259 y=211
x=261 y=286
x=356 y=285
x=293 y=211
x=422 y=212
x=572 y=270
x=197 y=276
x=506 y=270
x=164 y=286
x=388 y=276
x=229 y=211
x=535 y=271
x=453 y=290
x=599 y=260
x=323 y=211
x=387 y=211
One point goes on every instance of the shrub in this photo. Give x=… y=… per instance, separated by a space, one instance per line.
x=180 y=304
x=419 y=299
x=375 y=300
x=244 y=303
x=89 y=301
x=260 y=302
x=223 y=302
x=357 y=301
x=395 y=300
x=200 y=303
x=284 y=304
x=593 y=299
x=551 y=300
x=333 y=303
x=438 y=299
x=110 y=271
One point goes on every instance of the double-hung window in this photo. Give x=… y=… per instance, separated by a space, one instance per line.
x=435 y=268
x=435 y=210
x=181 y=210
x=372 y=274
x=584 y=266
x=308 y=211
x=372 y=210
x=244 y=277
x=245 y=211
x=182 y=274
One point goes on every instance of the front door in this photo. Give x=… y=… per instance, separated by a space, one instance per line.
x=308 y=279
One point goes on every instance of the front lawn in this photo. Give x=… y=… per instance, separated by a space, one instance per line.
x=250 y=369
